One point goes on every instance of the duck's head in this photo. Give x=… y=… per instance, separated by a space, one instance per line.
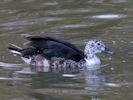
x=96 y=46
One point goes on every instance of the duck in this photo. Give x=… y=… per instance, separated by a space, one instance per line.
x=50 y=52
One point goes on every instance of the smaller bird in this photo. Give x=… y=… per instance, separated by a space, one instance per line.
x=48 y=52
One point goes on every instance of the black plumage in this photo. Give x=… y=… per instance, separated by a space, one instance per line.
x=24 y=52
x=50 y=47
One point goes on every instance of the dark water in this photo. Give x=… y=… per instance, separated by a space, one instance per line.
x=76 y=21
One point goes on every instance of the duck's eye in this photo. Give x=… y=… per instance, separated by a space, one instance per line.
x=98 y=44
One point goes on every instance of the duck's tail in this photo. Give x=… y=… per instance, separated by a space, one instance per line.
x=15 y=49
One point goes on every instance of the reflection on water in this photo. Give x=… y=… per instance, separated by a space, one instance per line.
x=109 y=16
x=54 y=78
x=76 y=22
x=94 y=80
x=86 y=82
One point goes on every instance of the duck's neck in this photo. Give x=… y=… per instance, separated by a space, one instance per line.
x=91 y=59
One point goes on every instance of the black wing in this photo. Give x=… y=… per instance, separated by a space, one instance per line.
x=52 y=47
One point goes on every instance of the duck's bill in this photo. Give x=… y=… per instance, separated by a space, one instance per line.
x=107 y=50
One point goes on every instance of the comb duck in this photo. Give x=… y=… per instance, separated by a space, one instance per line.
x=50 y=52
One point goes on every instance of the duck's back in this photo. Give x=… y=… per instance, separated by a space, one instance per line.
x=52 y=47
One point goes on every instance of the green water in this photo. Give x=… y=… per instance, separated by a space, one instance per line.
x=75 y=21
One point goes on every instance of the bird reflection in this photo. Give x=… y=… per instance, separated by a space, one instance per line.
x=94 y=80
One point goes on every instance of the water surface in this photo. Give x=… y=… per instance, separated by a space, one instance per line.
x=76 y=22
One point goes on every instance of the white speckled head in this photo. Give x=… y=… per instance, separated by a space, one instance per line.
x=95 y=46
x=92 y=48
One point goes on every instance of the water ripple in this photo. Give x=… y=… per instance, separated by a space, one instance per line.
x=68 y=11
x=50 y=3
x=31 y=21
x=109 y=16
x=69 y=26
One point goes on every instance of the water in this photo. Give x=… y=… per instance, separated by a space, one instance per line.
x=76 y=22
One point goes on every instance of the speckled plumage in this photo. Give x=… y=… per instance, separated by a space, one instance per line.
x=52 y=53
